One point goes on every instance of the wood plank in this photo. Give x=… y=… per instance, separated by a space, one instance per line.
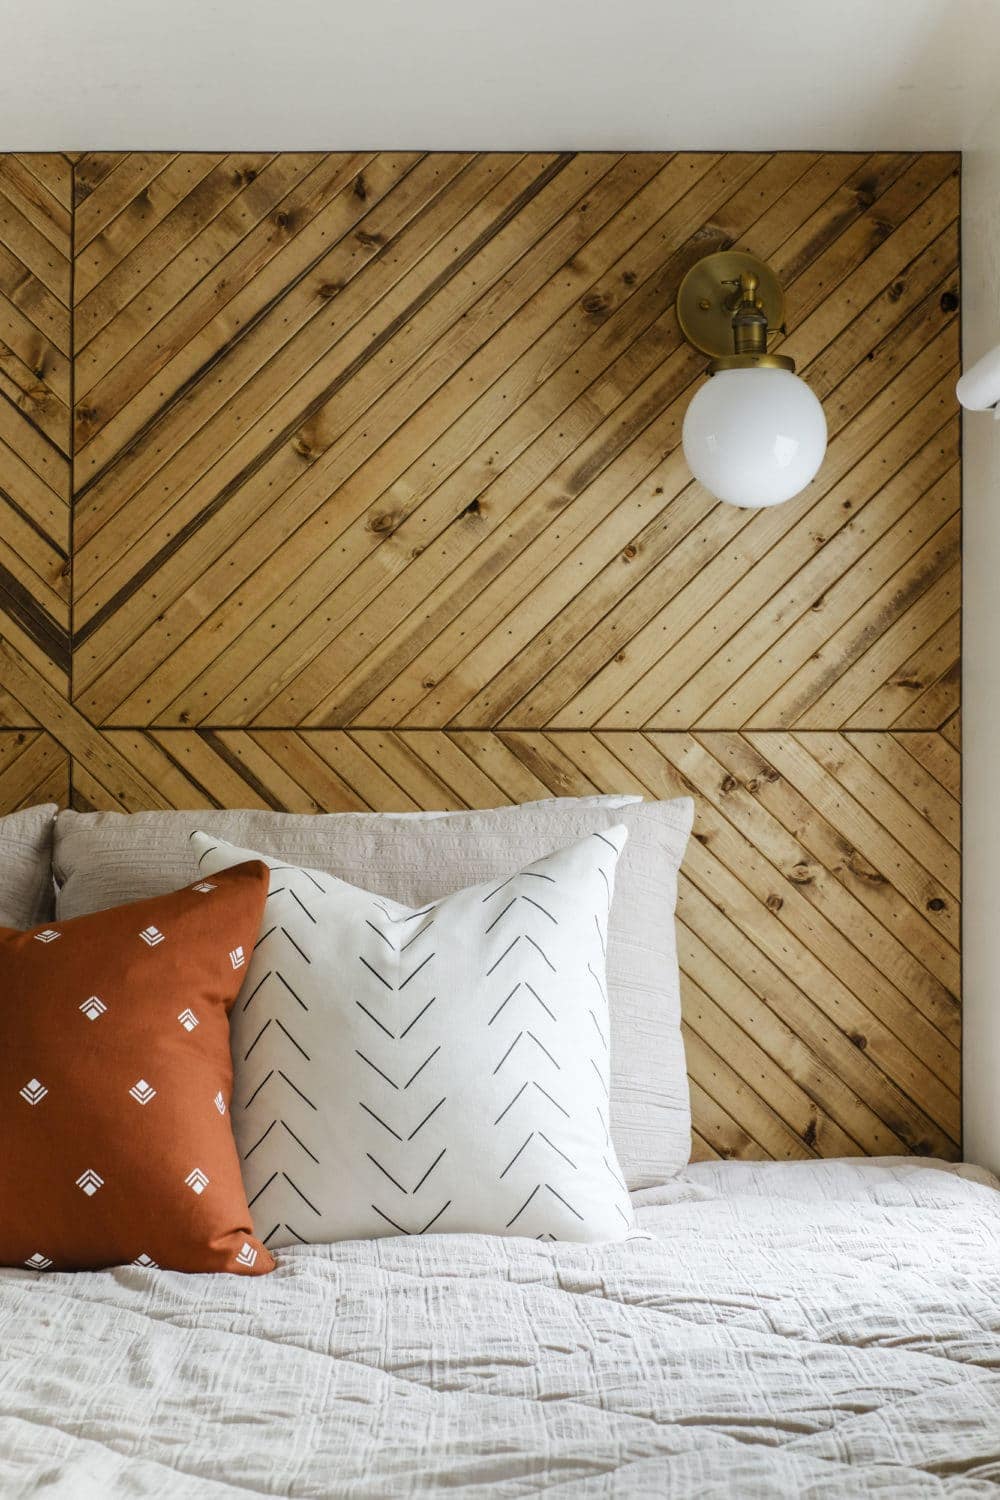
x=379 y=503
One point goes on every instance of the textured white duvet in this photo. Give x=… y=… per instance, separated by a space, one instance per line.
x=820 y=1329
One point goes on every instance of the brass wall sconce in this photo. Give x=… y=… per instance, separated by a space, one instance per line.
x=754 y=435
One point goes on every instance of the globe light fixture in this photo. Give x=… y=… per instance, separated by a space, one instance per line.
x=755 y=434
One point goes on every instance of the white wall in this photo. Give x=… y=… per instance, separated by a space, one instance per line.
x=981 y=661
x=494 y=74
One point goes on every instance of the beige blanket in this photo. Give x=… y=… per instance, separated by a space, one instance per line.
x=815 y=1329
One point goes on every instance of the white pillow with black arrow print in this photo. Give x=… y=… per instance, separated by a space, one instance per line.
x=442 y=1070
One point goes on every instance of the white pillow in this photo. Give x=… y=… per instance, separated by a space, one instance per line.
x=438 y=1069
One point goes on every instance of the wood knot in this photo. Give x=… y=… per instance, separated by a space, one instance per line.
x=284 y=219
x=936 y=904
x=184 y=716
x=330 y=288
x=949 y=301
x=248 y=175
x=428 y=683
x=801 y=874
x=770 y=774
x=896 y=290
x=597 y=304
x=864 y=193
x=371 y=241
x=360 y=188
x=859 y=1039
x=701 y=837
x=66 y=571
x=728 y=784
x=774 y=903
x=303 y=447
x=383 y=522
x=473 y=509
x=620 y=656
x=809 y=1134
x=629 y=278
x=630 y=552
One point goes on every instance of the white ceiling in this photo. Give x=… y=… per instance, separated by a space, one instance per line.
x=345 y=74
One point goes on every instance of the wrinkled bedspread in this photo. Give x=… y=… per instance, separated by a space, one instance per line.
x=808 y=1329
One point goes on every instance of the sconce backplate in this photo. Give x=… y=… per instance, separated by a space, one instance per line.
x=706 y=300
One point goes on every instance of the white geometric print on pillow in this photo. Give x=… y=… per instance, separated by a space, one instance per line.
x=48 y=936
x=220 y=1103
x=197 y=1181
x=93 y=1007
x=247 y=1256
x=445 y=1069
x=146 y=1262
x=152 y=936
x=142 y=1092
x=38 y=1262
x=188 y=1019
x=33 y=1092
x=89 y=1182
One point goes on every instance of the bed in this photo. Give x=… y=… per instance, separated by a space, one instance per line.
x=803 y=1329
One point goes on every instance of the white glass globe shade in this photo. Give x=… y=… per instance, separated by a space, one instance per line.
x=754 y=437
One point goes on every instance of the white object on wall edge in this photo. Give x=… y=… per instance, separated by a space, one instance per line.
x=979 y=388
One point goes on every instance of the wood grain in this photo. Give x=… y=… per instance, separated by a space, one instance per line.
x=354 y=480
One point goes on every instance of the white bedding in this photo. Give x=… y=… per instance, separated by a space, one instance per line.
x=813 y=1329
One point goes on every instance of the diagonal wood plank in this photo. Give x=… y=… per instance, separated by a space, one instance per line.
x=378 y=502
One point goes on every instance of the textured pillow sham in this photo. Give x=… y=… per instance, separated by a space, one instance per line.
x=442 y=1069
x=116 y=1082
x=27 y=894
x=103 y=858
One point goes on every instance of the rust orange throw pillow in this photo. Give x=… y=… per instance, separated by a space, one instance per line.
x=115 y=1082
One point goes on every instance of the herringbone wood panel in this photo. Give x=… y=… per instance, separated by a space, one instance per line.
x=379 y=502
x=35 y=386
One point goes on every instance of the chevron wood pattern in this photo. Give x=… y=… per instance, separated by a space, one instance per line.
x=35 y=421
x=377 y=501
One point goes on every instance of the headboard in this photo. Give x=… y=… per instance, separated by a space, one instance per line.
x=339 y=481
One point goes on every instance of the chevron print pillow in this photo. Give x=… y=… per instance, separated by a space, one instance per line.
x=439 y=1069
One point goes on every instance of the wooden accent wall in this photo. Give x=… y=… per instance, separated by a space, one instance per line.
x=338 y=481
